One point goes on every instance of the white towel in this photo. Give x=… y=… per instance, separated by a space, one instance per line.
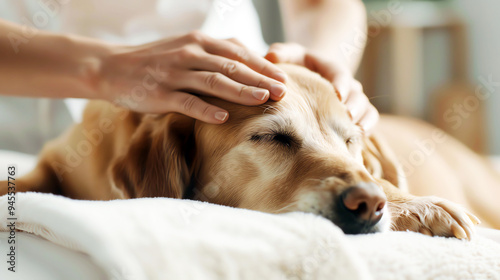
x=162 y=238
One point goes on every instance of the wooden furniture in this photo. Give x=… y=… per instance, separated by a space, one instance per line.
x=402 y=31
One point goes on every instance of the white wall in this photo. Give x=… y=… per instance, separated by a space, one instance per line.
x=484 y=33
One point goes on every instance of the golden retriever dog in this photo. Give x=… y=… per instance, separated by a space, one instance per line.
x=302 y=153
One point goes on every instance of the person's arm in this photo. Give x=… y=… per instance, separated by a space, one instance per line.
x=158 y=77
x=328 y=36
x=47 y=64
x=335 y=29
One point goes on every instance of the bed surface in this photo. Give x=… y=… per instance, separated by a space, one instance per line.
x=161 y=237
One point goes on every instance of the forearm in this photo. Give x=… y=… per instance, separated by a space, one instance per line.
x=48 y=64
x=334 y=28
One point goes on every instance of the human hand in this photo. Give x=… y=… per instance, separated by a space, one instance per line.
x=166 y=76
x=348 y=89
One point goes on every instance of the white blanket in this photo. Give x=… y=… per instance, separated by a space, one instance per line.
x=161 y=238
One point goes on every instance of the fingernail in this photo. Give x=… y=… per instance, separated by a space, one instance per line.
x=220 y=116
x=280 y=76
x=260 y=94
x=278 y=90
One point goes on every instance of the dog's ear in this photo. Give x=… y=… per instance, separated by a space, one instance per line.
x=158 y=159
x=381 y=162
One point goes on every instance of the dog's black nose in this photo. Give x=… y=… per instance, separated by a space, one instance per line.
x=364 y=200
x=360 y=207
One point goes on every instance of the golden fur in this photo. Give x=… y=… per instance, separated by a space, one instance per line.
x=117 y=154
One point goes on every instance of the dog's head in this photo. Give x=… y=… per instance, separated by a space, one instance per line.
x=302 y=153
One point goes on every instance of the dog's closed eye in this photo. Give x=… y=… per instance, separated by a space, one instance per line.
x=351 y=140
x=284 y=138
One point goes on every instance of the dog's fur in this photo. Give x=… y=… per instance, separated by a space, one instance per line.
x=298 y=154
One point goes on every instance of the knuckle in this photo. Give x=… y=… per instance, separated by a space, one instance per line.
x=168 y=77
x=229 y=68
x=366 y=102
x=236 y=41
x=242 y=54
x=206 y=112
x=266 y=67
x=188 y=103
x=186 y=53
x=374 y=113
x=196 y=36
x=243 y=90
x=262 y=83
x=276 y=46
x=361 y=98
x=212 y=80
x=357 y=85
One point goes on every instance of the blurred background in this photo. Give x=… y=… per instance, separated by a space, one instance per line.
x=433 y=60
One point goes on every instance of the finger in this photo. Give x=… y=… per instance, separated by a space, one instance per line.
x=245 y=56
x=343 y=82
x=341 y=79
x=192 y=106
x=286 y=53
x=239 y=72
x=277 y=89
x=218 y=85
x=357 y=104
x=369 y=120
x=236 y=41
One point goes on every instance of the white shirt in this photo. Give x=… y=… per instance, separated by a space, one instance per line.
x=25 y=123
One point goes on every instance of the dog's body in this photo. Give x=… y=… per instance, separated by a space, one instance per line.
x=300 y=154
x=436 y=164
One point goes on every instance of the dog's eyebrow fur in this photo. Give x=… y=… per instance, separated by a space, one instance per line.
x=285 y=124
x=268 y=107
x=345 y=131
x=277 y=122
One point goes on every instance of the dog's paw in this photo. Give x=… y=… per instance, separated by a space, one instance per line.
x=433 y=216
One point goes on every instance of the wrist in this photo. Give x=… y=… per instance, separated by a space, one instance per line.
x=89 y=57
x=56 y=65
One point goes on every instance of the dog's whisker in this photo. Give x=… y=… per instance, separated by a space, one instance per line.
x=313 y=180
x=269 y=107
x=284 y=209
x=379 y=96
